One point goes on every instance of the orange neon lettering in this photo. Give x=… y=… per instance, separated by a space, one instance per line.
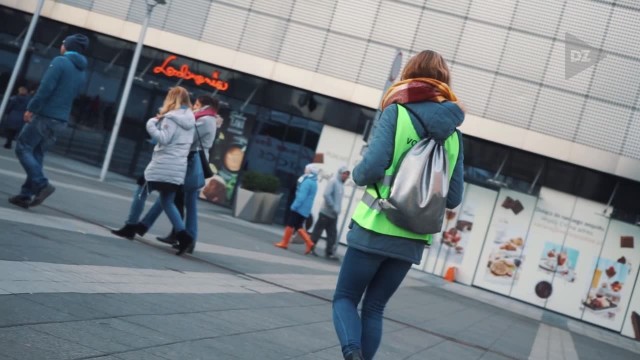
x=184 y=72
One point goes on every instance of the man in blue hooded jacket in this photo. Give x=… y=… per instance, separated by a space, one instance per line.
x=328 y=217
x=47 y=114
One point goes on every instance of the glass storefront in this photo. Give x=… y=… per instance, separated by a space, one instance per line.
x=269 y=127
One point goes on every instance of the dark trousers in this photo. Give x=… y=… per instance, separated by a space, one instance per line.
x=179 y=202
x=331 y=226
x=11 y=135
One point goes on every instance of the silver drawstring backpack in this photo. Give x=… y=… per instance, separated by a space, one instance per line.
x=418 y=194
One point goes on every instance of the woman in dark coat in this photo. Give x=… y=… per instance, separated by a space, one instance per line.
x=15 y=111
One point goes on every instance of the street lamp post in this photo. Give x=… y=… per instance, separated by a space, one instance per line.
x=20 y=60
x=127 y=87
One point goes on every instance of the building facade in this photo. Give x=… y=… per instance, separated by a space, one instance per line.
x=551 y=87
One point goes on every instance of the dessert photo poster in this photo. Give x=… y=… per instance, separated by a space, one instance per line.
x=614 y=276
x=227 y=157
x=572 y=278
x=431 y=254
x=502 y=251
x=542 y=253
x=462 y=240
x=631 y=326
x=433 y=260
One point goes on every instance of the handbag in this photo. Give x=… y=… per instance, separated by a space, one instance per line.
x=206 y=169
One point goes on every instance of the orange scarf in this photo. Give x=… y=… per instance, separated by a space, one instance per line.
x=418 y=90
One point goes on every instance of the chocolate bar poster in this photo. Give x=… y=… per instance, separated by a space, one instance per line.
x=505 y=241
x=462 y=240
x=609 y=293
x=545 y=237
x=586 y=234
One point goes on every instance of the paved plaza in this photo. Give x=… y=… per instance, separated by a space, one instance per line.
x=71 y=290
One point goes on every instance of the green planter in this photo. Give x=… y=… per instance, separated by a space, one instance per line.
x=256 y=200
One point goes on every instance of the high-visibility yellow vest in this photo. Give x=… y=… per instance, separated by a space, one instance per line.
x=367 y=215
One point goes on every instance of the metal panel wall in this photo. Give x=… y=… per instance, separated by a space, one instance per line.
x=508 y=57
x=116 y=8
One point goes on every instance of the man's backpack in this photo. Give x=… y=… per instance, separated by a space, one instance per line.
x=418 y=194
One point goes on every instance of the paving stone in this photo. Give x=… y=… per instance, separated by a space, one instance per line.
x=27 y=312
x=108 y=335
x=449 y=350
x=26 y=343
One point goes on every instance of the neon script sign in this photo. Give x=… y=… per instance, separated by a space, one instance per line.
x=184 y=72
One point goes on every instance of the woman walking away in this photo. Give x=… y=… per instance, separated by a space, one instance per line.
x=205 y=111
x=380 y=253
x=15 y=111
x=301 y=207
x=173 y=130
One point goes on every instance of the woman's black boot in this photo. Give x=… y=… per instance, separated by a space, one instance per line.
x=356 y=355
x=128 y=231
x=184 y=241
x=189 y=250
x=141 y=229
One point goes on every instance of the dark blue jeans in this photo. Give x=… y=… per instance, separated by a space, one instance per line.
x=380 y=276
x=165 y=202
x=34 y=140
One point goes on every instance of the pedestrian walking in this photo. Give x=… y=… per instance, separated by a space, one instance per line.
x=301 y=208
x=328 y=217
x=205 y=116
x=205 y=111
x=15 y=115
x=380 y=253
x=47 y=114
x=173 y=130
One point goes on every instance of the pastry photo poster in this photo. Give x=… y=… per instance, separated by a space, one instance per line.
x=572 y=278
x=506 y=238
x=631 y=326
x=462 y=240
x=614 y=276
x=543 y=252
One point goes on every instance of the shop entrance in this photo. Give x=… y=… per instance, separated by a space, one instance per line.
x=282 y=145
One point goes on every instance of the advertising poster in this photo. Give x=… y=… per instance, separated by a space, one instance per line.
x=227 y=157
x=575 y=265
x=462 y=241
x=438 y=248
x=631 y=327
x=615 y=274
x=502 y=252
x=543 y=253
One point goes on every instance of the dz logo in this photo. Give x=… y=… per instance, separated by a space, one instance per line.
x=580 y=56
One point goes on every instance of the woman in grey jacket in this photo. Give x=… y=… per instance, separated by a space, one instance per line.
x=173 y=129
x=206 y=114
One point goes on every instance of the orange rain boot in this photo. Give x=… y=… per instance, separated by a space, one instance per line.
x=307 y=240
x=284 y=243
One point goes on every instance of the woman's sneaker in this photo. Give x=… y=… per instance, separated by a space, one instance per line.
x=20 y=201
x=44 y=193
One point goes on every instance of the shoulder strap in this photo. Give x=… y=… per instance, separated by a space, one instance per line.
x=199 y=139
x=419 y=119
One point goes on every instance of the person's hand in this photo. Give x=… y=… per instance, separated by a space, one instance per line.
x=27 y=116
x=219 y=121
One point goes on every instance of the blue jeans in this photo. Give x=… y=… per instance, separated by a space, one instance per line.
x=137 y=205
x=191 y=217
x=193 y=182
x=34 y=140
x=164 y=203
x=380 y=276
